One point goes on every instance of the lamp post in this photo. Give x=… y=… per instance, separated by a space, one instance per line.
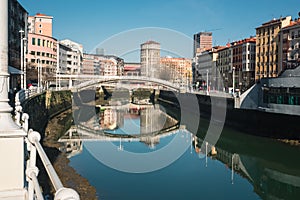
x=39 y=74
x=207 y=82
x=233 y=80
x=22 y=60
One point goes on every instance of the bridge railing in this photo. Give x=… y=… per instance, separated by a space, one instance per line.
x=34 y=146
x=93 y=79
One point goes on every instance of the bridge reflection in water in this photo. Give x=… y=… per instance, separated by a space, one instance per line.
x=272 y=168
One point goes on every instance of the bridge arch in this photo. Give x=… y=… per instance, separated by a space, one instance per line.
x=96 y=80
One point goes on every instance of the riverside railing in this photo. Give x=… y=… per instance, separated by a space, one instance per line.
x=33 y=147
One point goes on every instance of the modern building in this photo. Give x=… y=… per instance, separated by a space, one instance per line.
x=268 y=48
x=291 y=45
x=150 y=59
x=176 y=70
x=132 y=69
x=17 y=39
x=202 y=41
x=42 y=49
x=70 y=57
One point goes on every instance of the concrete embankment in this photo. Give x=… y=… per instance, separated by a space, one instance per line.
x=51 y=115
x=254 y=122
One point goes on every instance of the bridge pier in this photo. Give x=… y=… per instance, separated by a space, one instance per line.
x=11 y=135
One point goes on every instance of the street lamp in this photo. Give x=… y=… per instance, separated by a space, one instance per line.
x=207 y=82
x=39 y=74
x=233 y=80
x=22 y=59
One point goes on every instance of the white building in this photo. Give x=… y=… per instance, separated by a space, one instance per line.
x=70 y=57
x=150 y=59
x=205 y=68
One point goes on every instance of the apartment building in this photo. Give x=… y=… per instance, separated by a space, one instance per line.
x=42 y=48
x=70 y=57
x=103 y=65
x=224 y=66
x=243 y=62
x=206 y=69
x=291 y=45
x=268 y=48
x=176 y=70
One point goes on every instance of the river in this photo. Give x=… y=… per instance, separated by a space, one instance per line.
x=144 y=152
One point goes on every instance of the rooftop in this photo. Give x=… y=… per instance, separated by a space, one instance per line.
x=273 y=22
x=292 y=24
x=151 y=42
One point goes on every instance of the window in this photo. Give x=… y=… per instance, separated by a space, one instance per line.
x=39 y=42
x=40 y=25
x=33 y=41
x=40 y=31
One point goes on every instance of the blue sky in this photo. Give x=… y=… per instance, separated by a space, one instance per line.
x=91 y=22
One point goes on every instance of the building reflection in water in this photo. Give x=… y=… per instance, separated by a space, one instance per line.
x=270 y=177
x=272 y=168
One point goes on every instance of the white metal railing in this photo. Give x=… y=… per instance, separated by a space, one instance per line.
x=92 y=79
x=33 y=146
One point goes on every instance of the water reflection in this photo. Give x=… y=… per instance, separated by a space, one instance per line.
x=272 y=176
x=272 y=168
x=127 y=123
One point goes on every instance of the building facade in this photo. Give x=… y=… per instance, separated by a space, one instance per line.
x=291 y=45
x=42 y=49
x=202 y=41
x=206 y=69
x=42 y=52
x=176 y=70
x=106 y=65
x=150 y=59
x=70 y=56
x=40 y=24
x=132 y=69
x=224 y=66
x=17 y=39
x=243 y=63
x=268 y=48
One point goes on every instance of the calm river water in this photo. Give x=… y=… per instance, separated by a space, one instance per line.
x=140 y=152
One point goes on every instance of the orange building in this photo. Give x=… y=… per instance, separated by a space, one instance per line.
x=268 y=48
x=40 y=24
x=176 y=70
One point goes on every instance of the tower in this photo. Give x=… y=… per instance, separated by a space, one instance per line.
x=150 y=58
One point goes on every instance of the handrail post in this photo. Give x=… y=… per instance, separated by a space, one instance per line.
x=61 y=193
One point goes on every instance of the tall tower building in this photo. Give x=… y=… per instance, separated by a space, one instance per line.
x=150 y=59
x=202 y=41
x=268 y=48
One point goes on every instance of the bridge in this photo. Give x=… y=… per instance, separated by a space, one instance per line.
x=81 y=82
x=76 y=135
